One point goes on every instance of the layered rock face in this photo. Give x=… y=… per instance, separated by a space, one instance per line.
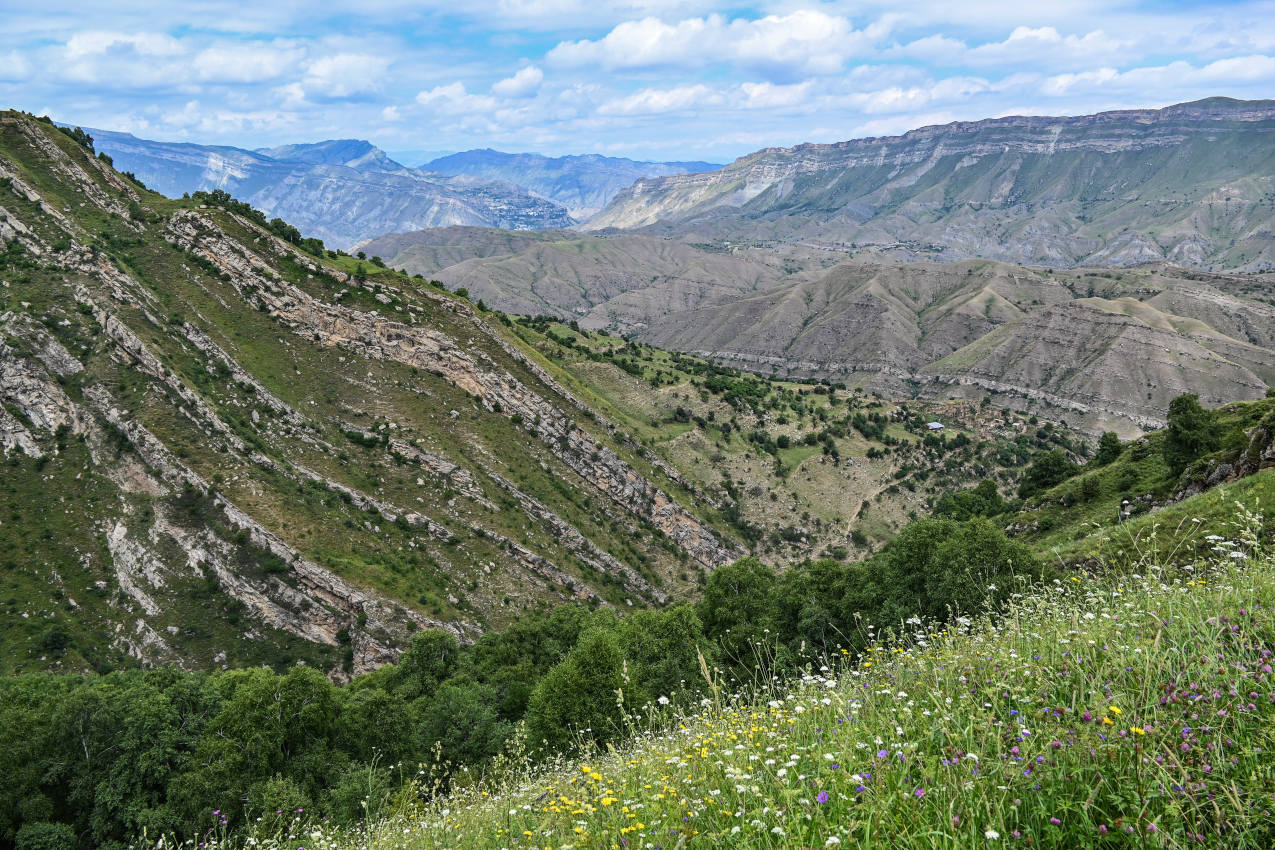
x=277 y=462
x=1189 y=184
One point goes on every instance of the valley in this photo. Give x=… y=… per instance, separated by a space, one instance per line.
x=329 y=455
x=364 y=542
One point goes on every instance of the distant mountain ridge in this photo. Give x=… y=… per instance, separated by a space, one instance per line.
x=584 y=183
x=1192 y=184
x=341 y=191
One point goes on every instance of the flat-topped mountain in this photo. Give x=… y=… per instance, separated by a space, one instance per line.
x=584 y=184
x=1192 y=184
x=341 y=191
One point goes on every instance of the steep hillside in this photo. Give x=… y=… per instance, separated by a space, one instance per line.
x=221 y=450
x=1190 y=184
x=341 y=191
x=225 y=451
x=1112 y=509
x=584 y=184
x=799 y=469
x=1099 y=349
x=1105 y=711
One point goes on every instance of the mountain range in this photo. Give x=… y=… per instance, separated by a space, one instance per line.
x=584 y=184
x=1192 y=184
x=347 y=190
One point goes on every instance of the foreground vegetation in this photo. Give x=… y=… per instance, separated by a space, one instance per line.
x=1130 y=709
x=94 y=760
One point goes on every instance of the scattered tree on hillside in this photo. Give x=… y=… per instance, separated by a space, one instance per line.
x=1190 y=433
x=1046 y=470
x=1109 y=448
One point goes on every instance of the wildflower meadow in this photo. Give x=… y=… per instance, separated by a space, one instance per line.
x=1127 y=709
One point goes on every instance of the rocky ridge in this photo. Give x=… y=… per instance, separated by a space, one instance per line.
x=1190 y=184
x=125 y=339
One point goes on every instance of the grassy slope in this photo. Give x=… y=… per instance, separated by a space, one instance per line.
x=806 y=491
x=334 y=390
x=1062 y=523
x=1132 y=710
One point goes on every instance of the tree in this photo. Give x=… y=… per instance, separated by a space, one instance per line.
x=1109 y=448
x=1046 y=470
x=462 y=719
x=579 y=696
x=430 y=660
x=983 y=500
x=938 y=565
x=737 y=599
x=1190 y=433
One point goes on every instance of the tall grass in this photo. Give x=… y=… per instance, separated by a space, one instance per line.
x=1137 y=710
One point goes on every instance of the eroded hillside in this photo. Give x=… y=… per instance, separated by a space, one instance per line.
x=224 y=450
x=1098 y=349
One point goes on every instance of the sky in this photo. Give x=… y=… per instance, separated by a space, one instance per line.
x=646 y=79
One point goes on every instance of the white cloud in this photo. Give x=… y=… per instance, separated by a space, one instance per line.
x=805 y=41
x=772 y=96
x=1045 y=45
x=522 y=84
x=292 y=96
x=656 y=101
x=345 y=74
x=1175 y=81
x=97 y=43
x=245 y=63
x=13 y=67
x=454 y=99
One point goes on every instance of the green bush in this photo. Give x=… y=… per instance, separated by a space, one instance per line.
x=45 y=836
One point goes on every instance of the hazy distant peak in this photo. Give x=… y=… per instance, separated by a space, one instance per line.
x=351 y=153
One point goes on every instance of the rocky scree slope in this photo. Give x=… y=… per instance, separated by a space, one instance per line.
x=222 y=451
x=1097 y=349
x=341 y=191
x=1192 y=184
